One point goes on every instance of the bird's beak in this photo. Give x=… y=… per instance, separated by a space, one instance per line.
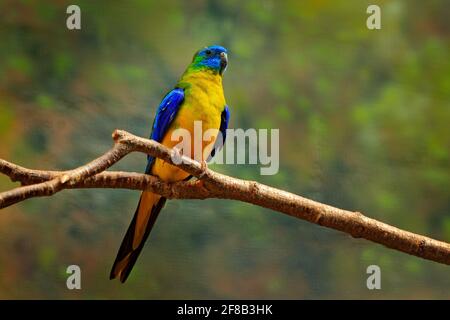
x=223 y=62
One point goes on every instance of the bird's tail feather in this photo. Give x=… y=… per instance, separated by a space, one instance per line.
x=150 y=204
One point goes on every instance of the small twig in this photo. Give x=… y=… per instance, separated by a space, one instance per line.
x=212 y=185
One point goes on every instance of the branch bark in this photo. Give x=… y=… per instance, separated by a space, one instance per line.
x=210 y=184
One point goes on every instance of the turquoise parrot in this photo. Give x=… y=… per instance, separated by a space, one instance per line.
x=198 y=96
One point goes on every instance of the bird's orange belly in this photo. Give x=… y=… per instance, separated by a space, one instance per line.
x=186 y=120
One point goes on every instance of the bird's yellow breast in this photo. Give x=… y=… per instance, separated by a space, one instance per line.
x=203 y=101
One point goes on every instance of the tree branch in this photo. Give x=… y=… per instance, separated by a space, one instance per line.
x=210 y=184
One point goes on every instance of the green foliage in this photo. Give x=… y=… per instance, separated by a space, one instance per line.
x=6 y=119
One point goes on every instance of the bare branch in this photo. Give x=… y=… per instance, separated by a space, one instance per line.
x=211 y=184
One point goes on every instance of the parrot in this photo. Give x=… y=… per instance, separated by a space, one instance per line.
x=198 y=96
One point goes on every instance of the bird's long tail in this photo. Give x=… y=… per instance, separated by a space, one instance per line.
x=150 y=204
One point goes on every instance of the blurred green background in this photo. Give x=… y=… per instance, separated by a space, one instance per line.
x=364 y=125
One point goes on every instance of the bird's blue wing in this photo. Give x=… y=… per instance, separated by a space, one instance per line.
x=225 y=117
x=165 y=114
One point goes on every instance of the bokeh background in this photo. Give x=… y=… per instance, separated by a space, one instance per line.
x=364 y=125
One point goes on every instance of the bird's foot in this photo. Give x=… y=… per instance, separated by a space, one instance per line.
x=177 y=155
x=204 y=169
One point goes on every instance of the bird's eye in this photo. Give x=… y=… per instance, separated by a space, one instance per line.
x=208 y=52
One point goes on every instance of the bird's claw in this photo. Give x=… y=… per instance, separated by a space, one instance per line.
x=176 y=156
x=203 y=168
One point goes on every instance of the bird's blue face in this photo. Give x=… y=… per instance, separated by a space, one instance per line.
x=213 y=58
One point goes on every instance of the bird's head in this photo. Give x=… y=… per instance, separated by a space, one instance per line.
x=212 y=58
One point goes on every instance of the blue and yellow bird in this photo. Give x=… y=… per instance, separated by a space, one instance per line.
x=198 y=96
